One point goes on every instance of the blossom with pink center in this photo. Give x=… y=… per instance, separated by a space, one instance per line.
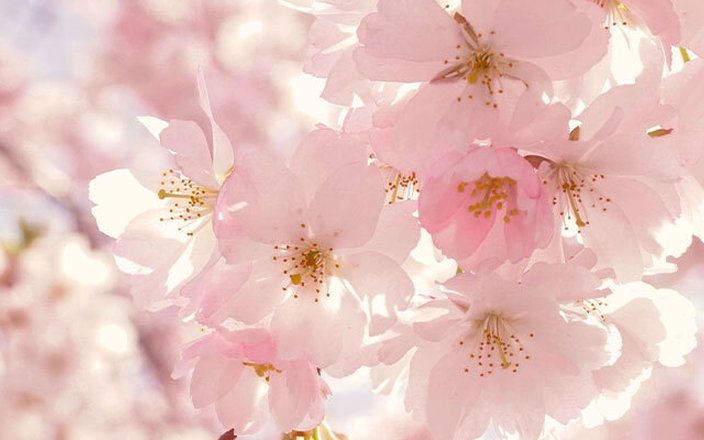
x=485 y=207
x=480 y=75
x=502 y=354
x=164 y=226
x=309 y=247
x=240 y=374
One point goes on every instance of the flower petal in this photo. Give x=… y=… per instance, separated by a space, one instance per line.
x=345 y=210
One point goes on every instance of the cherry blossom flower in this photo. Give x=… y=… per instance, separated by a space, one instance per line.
x=654 y=326
x=500 y=353
x=168 y=218
x=316 y=246
x=243 y=377
x=485 y=207
x=615 y=184
x=480 y=77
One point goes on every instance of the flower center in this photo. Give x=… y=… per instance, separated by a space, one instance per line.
x=574 y=193
x=490 y=194
x=263 y=370
x=593 y=307
x=190 y=204
x=306 y=265
x=496 y=346
x=616 y=12
x=400 y=187
x=478 y=64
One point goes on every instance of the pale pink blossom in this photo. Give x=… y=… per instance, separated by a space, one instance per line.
x=168 y=218
x=242 y=376
x=480 y=76
x=651 y=326
x=311 y=246
x=615 y=184
x=500 y=353
x=485 y=207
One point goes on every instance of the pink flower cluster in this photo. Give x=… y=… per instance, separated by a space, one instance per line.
x=499 y=136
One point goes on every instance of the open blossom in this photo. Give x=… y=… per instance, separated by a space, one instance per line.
x=311 y=249
x=655 y=326
x=167 y=220
x=615 y=184
x=480 y=76
x=502 y=354
x=241 y=375
x=485 y=207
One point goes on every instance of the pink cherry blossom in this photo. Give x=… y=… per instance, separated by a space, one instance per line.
x=480 y=77
x=175 y=224
x=615 y=184
x=654 y=326
x=321 y=256
x=240 y=374
x=500 y=353
x=485 y=207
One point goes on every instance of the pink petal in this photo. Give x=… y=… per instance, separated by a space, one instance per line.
x=449 y=389
x=223 y=154
x=594 y=48
x=397 y=232
x=346 y=207
x=295 y=397
x=412 y=142
x=344 y=81
x=264 y=198
x=213 y=377
x=321 y=153
x=192 y=154
x=244 y=408
x=212 y=287
x=395 y=41
x=382 y=282
x=553 y=26
x=317 y=330
x=661 y=18
x=257 y=298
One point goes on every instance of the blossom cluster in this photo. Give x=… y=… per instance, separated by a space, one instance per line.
x=479 y=229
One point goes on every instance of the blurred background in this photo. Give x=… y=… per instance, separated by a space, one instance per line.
x=77 y=359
